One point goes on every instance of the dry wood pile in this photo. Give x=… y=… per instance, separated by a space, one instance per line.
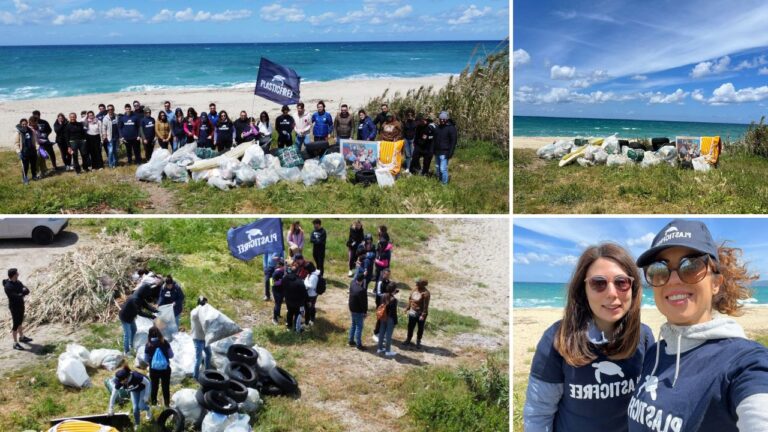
x=84 y=285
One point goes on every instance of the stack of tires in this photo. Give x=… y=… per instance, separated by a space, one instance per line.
x=261 y=374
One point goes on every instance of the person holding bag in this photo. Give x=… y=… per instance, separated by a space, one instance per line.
x=158 y=355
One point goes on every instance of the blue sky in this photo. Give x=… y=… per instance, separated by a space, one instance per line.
x=546 y=249
x=701 y=60
x=60 y=22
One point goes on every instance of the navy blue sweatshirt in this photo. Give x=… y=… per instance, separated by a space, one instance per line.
x=445 y=139
x=148 y=129
x=128 y=127
x=134 y=306
x=15 y=290
x=173 y=296
x=224 y=133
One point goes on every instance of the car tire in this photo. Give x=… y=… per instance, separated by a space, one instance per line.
x=243 y=373
x=178 y=420
x=243 y=354
x=284 y=380
x=200 y=398
x=211 y=379
x=237 y=391
x=42 y=235
x=365 y=177
x=219 y=402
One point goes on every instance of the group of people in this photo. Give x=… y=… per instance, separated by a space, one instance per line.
x=599 y=368
x=93 y=139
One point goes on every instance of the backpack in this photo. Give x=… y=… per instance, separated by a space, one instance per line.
x=381 y=312
x=159 y=362
x=321 y=285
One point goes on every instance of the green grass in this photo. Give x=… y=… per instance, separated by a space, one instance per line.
x=737 y=186
x=446 y=400
x=479 y=184
x=450 y=322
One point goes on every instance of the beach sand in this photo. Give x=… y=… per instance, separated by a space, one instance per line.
x=529 y=324
x=352 y=92
x=527 y=142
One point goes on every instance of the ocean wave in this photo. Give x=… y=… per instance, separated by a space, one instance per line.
x=156 y=87
x=372 y=76
x=27 y=92
x=535 y=303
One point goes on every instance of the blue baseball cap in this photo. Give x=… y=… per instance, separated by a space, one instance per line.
x=680 y=232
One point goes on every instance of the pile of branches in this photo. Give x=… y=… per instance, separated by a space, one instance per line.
x=84 y=285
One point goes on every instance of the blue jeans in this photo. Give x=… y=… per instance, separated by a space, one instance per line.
x=112 y=148
x=179 y=142
x=385 y=334
x=278 y=298
x=356 y=331
x=299 y=141
x=441 y=166
x=199 y=349
x=178 y=320
x=408 y=152
x=129 y=331
x=140 y=403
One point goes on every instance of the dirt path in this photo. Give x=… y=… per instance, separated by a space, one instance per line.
x=31 y=258
x=161 y=200
x=475 y=283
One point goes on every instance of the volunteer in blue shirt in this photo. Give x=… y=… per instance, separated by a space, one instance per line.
x=138 y=386
x=158 y=355
x=587 y=365
x=128 y=126
x=177 y=129
x=171 y=293
x=323 y=123
x=147 y=133
x=213 y=116
x=703 y=374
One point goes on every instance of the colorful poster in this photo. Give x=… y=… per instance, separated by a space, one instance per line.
x=360 y=154
x=688 y=147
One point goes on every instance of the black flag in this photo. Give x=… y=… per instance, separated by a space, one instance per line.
x=277 y=83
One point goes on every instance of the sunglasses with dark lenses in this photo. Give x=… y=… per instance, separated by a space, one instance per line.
x=690 y=270
x=600 y=283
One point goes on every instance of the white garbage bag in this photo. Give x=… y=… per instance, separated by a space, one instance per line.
x=109 y=359
x=214 y=422
x=667 y=152
x=272 y=162
x=205 y=174
x=153 y=169
x=245 y=337
x=601 y=156
x=617 y=160
x=184 y=401
x=245 y=175
x=650 y=159
x=228 y=166
x=267 y=177
x=78 y=351
x=185 y=152
x=584 y=162
x=176 y=173
x=254 y=157
x=700 y=164
x=139 y=362
x=215 y=324
x=183 y=354
x=334 y=165
x=166 y=321
x=71 y=371
x=220 y=182
x=142 y=328
x=546 y=152
x=252 y=403
x=266 y=362
x=562 y=148
x=219 y=361
x=292 y=174
x=611 y=145
x=313 y=172
x=384 y=177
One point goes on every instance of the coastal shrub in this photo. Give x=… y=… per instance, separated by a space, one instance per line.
x=477 y=100
x=488 y=383
x=756 y=138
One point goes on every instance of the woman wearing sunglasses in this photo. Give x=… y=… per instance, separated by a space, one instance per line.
x=703 y=374
x=587 y=365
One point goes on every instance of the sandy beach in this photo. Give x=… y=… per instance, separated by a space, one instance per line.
x=526 y=142
x=529 y=324
x=352 y=92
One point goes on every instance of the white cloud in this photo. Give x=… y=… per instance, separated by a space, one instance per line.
x=20 y=6
x=367 y=14
x=644 y=241
x=572 y=14
x=77 y=16
x=470 y=15
x=321 y=19
x=231 y=15
x=162 y=16
x=580 y=83
x=639 y=77
x=562 y=72
x=277 y=12
x=559 y=95
x=520 y=57
x=660 y=98
x=755 y=63
x=190 y=15
x=122 y=13
x=8 y=18
x=401 y=12
x=566 y=260
x=711 y=68
x=698 y=95
x=763 y=71
x=727 y=94
x=533 y=257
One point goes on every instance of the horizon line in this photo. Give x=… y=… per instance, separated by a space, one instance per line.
x=258 y=43
x=626 y=119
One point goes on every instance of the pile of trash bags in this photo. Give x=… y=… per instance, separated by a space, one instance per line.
x=255 y=169
x=71 y=370
x=612 y=152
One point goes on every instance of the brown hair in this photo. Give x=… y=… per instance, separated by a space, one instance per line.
x=571 y=339
x=735 y=282
x=155 y=332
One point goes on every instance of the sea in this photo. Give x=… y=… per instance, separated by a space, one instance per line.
x=552 y=295
x=31 y=72
x=626 y=128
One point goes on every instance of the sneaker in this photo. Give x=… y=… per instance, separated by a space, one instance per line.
x=406 y=343
x=375 y=338
x=418 y=344
x=265 y=298
x=380 y=351
x=390 y=354
x=25 y=339
x=26 y=181
x=16 y=346
x=351 y=343
x=149 y=415
x=351 y=273
x=275 y=322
